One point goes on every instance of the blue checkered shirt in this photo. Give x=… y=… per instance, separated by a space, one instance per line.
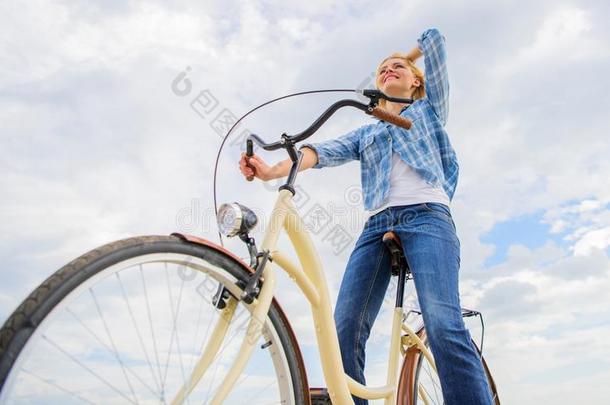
x=425 y=147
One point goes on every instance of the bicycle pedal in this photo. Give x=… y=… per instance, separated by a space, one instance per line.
x=319 y=396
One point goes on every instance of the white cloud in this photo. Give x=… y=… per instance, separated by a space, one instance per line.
x=597 y=239
x=542 y=312
x=561 y=30
x=60 y=36
x=566 y=35
x=585 y=224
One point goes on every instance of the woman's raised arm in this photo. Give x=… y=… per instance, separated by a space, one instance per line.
x=432 y=45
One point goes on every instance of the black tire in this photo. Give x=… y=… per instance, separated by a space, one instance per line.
x=22 y=324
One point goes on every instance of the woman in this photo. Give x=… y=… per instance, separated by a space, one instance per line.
x=408 y=179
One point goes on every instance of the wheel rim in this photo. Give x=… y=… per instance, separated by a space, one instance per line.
x=134 y=331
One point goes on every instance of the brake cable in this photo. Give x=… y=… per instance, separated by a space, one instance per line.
x=226 y=137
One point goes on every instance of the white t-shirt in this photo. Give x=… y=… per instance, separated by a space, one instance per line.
x=407 y=187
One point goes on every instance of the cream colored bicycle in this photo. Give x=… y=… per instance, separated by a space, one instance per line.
x=178 y=319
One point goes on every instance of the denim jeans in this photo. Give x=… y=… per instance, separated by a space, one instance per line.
x=432 y=250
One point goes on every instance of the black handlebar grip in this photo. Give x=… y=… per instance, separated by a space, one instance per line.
x=249 y=153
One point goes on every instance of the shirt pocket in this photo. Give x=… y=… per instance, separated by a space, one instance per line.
x=418 y=127
x=367 y=149
x=366 y=141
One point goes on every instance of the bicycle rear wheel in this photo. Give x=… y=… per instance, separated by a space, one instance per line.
x=419 y=383
x=127 y=322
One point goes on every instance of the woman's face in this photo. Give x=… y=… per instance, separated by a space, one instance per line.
x=395 y=77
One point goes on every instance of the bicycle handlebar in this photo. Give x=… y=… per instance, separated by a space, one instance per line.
x=287 y=142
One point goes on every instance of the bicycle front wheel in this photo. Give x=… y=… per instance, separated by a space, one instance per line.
x=128 y=323
x=419 y=382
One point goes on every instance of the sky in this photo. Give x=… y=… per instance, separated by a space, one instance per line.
x=111 y=115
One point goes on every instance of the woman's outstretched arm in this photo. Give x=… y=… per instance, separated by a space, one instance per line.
x=333 y=152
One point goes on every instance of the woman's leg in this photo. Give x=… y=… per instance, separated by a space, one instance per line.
x=432 y=249
x=361 y=294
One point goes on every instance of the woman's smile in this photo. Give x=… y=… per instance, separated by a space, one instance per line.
x=390 y=76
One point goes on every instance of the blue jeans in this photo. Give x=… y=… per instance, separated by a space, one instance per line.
x=432 y=250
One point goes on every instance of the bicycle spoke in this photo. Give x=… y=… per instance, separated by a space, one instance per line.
x=57 y=386
x=199 y=314
x=175 y=321
x=100 y=378
x=137 y=329
x=152 y=331
x=99 y=311
x=105 y=346
x=423 y=394
x=255 y=395
x=174 y=311
x=204 y=341
x=432 y=379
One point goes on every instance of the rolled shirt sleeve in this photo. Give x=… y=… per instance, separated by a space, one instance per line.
x=432 y=45
x=337 y=151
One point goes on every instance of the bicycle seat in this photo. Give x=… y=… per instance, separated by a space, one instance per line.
x=397 y=255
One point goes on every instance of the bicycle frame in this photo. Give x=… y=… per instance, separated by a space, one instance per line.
x=311 y=280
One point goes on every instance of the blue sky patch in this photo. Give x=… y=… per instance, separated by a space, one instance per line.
x=527 y=230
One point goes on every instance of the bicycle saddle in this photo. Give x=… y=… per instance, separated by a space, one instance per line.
x=397 y=255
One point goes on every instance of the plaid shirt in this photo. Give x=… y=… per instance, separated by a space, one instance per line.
x=425 y=147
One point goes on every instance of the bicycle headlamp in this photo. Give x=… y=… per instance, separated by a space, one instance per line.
x=234 y=219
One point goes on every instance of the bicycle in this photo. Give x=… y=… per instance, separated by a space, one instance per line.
x=92 y=331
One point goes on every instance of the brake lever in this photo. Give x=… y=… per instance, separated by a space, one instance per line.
x=375 y=95
x=373 y=108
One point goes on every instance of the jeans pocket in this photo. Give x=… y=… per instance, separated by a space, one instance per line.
x=440 y=209
x=437 y=207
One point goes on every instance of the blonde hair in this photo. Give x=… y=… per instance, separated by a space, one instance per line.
x=419 y=92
